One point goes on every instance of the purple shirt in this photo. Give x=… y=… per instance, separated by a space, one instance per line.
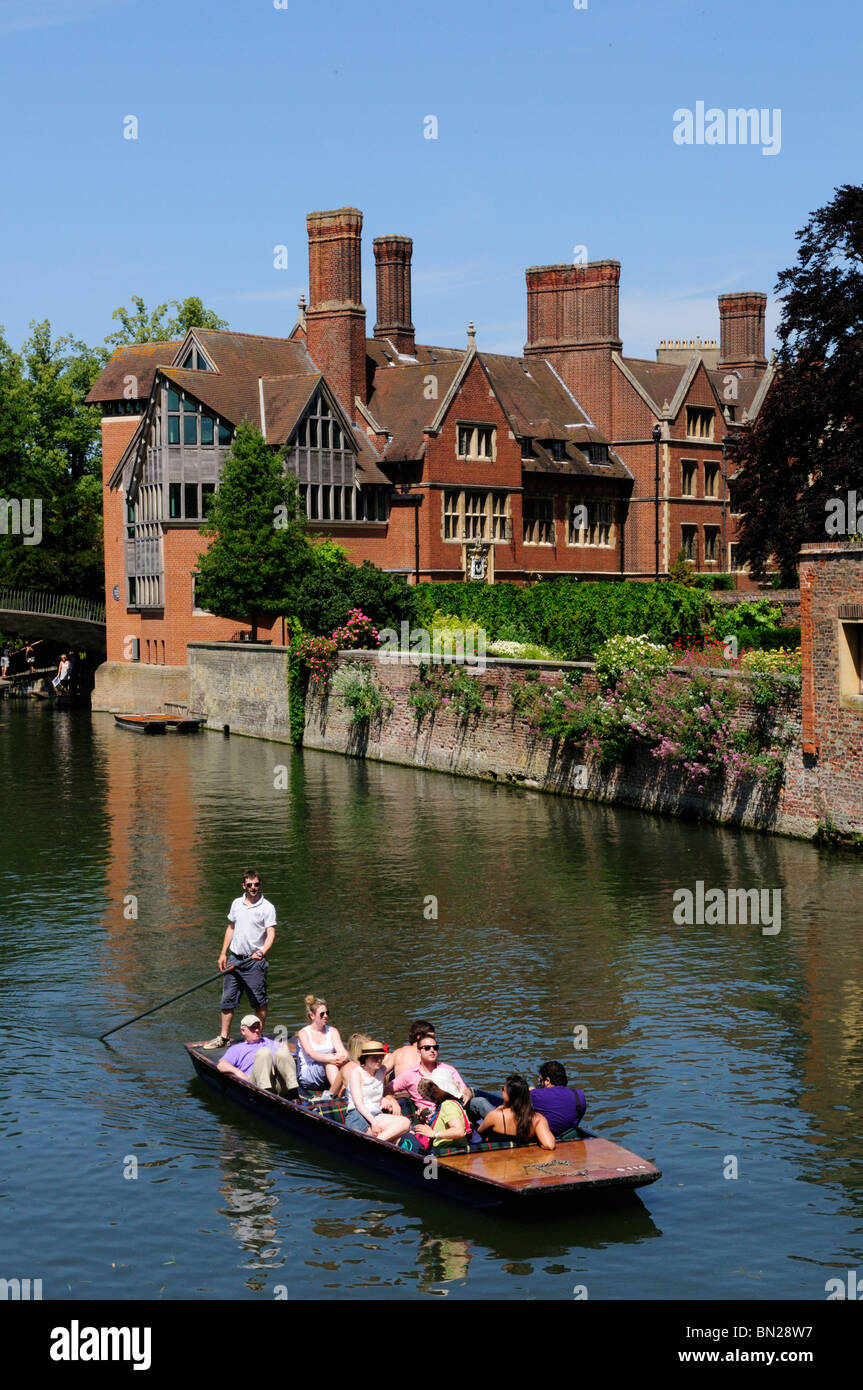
x=242 y=1054
x=558 y=1105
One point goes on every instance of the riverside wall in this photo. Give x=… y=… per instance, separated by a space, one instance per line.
x=498 y=745
x=245 y=687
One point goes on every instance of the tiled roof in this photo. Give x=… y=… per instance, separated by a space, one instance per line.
x=383 y=354
x=533 y=396
x=137 y=360
x=660 y=380
x=747 y=389
x=398 y=403
x=285 y=398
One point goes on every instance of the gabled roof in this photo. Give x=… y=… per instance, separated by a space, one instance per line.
x=533 y=397
x=137 y=360
x=399 y=402
x=657 y=382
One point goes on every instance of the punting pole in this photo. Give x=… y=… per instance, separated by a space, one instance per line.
x=174 y=997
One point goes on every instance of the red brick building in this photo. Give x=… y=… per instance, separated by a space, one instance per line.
x=438 y=463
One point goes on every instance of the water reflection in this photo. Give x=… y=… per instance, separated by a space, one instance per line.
x=702 y=1042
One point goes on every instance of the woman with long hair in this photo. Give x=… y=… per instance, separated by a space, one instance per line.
x=356 y=1043
x=516 y=1118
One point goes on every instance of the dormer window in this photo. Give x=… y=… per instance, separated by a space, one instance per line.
x=476 y=442
x=195 y=361
x=597 y=453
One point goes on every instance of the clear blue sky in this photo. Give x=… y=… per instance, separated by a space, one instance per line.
x=554 y=130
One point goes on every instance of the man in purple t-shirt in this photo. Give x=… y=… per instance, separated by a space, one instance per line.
x=555 y=1100
x=266 y=1063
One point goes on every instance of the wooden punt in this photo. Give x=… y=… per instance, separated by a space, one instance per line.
x=159 y=723
x=519 y=1177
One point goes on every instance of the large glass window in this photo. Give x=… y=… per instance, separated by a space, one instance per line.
x=207 y=429
x=689 y=542
x=711 y=480
x=590 y=523
x=688 y=474
x=537 y=520
x=174 y=510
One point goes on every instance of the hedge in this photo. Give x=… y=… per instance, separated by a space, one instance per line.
x=570 y=617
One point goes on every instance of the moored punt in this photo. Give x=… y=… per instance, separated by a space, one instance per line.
x=159 y=723
x=486 y=1175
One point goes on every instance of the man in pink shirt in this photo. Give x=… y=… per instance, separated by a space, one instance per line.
x=407 y=1082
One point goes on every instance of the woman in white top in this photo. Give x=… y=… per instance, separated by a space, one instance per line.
x=369 y=1110
x=320 y=1053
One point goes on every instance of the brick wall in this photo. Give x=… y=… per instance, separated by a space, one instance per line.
x=831 y=604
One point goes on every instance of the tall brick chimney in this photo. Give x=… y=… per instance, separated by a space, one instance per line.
x=741 y=336
x=393 y=269
x=335 y=318
x=572 y=320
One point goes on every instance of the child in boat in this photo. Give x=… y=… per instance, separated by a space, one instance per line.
x=516 y=1118
x=320 y=1053
x=369 y=1111
x=448 y=1121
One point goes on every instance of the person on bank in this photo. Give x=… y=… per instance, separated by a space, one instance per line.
x=409 y=1056
x=369 y=1110
x=562 y=1107
x=250 y=933
x=320 y=1051
x=516 y=1118
x=266 y=1063
x=448 y=1122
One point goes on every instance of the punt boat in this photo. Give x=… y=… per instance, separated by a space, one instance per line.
x=491 y=1174
x=159 y=723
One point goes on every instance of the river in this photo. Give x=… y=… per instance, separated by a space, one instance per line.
x=731 y=1057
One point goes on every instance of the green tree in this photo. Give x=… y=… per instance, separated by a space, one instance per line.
x=806 y=444
x=49 y=456
x=138 y=324
x=260 y=552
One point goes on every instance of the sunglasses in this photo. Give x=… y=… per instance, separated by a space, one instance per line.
x=254 y=1027
x=430 y=1047
x=252 y=886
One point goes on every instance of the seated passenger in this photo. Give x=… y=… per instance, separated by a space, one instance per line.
x=448 y=1121
x=320 y=1053
x=516 y=1118
x=261 y=1060
x=355 y=1046
x=562 y=1107
x=409 y=1056
x=369 y=1110
x=408 y=1082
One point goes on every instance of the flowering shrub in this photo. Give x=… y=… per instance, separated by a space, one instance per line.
x=780 y=659
x=319 y=653
x=524 y=651
x=685 y=720
x=620 y=654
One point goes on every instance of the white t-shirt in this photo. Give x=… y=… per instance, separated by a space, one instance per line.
x=250 y=925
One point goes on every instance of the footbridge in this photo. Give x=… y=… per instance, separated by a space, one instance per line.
x=73 y=622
